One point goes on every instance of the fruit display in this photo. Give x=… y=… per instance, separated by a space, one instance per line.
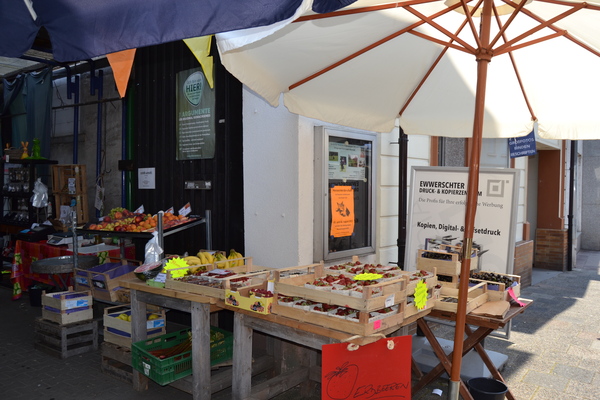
x=492 y=277
x=120 y=219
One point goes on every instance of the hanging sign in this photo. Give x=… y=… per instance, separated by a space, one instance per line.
x=356 y=372
x=342 y=211
x=522 y=146
x=195 y=129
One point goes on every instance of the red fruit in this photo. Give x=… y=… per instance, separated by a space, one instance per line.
x=139 y=218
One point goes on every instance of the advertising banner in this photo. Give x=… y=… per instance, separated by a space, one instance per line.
x=437 y=209
x=195 y=116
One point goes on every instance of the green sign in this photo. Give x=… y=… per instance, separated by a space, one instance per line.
x=195 y=116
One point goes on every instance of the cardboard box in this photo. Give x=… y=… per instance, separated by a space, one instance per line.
x=244 y=298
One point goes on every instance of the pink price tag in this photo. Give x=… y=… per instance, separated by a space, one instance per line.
x=377 y=324
x=512 y=294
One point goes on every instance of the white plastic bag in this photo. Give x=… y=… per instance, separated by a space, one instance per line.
x=152 y=250
x=40 y=194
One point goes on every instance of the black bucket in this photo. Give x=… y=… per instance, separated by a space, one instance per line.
x=487 y=389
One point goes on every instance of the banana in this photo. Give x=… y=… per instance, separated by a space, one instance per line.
x=202 y=258
x=193 y=260
x=221 y=259
x=240 y=259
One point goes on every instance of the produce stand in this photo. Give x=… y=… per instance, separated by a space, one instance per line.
x=162 y=233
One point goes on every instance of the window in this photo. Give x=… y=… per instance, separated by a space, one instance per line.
x=344 y=206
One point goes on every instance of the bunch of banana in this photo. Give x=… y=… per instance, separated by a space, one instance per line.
x=205 y=257
x=237 y=257
x=194 y=262
x=221 y=260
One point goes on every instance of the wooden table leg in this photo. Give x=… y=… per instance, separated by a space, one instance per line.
x=138 y=332
x=200 y=314
x=241 y=385
x=488 y=362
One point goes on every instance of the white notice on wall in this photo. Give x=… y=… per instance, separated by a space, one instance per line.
x=146 y=178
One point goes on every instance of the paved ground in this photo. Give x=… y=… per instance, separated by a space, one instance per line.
x=553 y=350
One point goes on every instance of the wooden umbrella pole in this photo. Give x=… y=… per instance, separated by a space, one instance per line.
x=483 y=59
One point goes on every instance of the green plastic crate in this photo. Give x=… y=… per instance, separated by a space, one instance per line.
x=165 y=371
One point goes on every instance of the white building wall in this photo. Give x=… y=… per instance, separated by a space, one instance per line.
x=279 y=186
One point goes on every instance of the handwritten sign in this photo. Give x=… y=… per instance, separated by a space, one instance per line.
x=342 y=211
x=354 y=372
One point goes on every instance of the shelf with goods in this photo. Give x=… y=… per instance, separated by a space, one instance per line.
x=18 y=181
x=68 y=183
x=190 y=222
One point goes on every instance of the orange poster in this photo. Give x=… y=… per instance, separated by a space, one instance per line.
x=342 y=211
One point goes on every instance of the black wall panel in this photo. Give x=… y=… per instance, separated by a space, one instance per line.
x=152 y=86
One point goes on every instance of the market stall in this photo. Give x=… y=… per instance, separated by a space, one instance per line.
x=297 y=306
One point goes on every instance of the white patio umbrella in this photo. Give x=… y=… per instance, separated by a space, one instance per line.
x=455 y=68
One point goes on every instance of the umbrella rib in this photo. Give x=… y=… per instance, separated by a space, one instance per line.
x=361 y=10
x=529 y=43
x=514 y=64
x=429 y=20
x=469 y=16
x=569 y=4
x=372 y=46
x=543 y=24
x=435 y=63
x=507 y=24
x=566 y=35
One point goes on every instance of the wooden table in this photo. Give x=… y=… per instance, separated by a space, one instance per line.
x=291 y=331
x=198 y=306
x=473 y=340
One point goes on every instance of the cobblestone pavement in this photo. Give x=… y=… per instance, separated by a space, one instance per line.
x=553 y=350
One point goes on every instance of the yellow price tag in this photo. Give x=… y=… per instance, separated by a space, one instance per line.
x=174 y=264
x=421 y=295
x=367 y=277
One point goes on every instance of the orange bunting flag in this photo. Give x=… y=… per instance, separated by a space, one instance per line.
x=200 y=46
x=121 y=63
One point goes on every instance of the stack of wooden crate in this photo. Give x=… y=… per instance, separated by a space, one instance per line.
x=66 y=327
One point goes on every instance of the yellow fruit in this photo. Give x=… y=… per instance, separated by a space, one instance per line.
x=123 y=316
x=153 y=316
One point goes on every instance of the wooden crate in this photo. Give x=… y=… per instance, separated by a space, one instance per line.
x=410 y=309
x=65 y=341
x=116 y=362
x=217 y=291
x=499 y=291
x=104 y=280
x=411 y=283
x=477 y=296
x=118 y=331
x=291 y=282
x=363 y=327
x=67 y=307
x=62 y=175
x=449 y=266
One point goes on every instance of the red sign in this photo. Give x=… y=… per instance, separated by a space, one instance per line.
x=379 y=370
